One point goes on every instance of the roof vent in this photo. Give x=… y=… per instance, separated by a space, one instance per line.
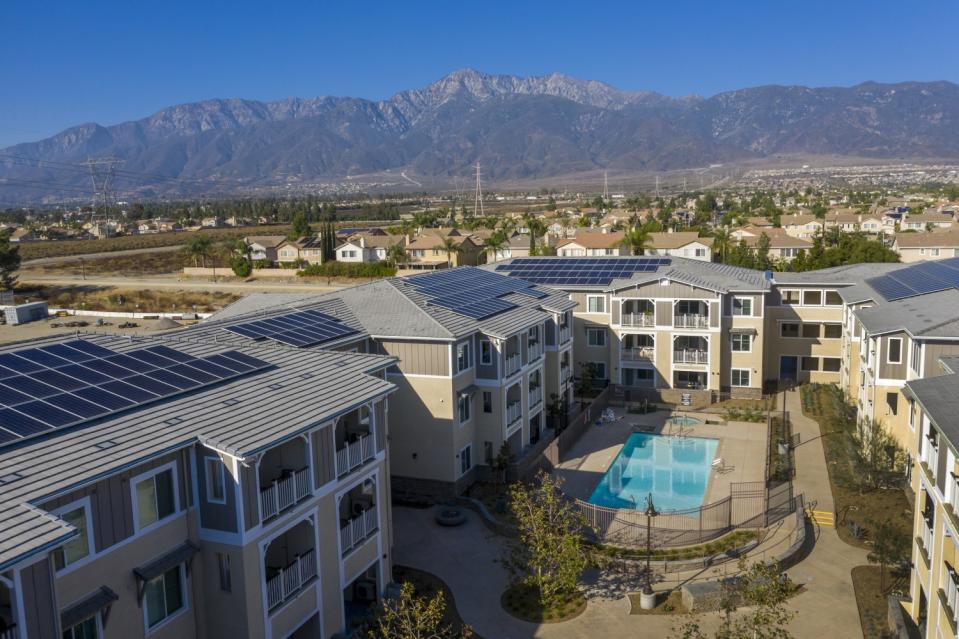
x=306 y=376
x=173 y=421
x=105 y=445
x=275 y=386
x=9 y=479
x=233 y=401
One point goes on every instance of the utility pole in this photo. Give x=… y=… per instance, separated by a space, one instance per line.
x=102 y=175
x=478 y=205
x=605 y=186
x=657 y=186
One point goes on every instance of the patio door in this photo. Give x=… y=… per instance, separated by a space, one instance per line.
x=788 y=367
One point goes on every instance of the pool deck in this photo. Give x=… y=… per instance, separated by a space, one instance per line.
x=742 y=445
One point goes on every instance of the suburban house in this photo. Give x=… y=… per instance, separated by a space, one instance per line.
x=220 y=490
x=920 y=247
x=263 y=247
x=367 y=248
x=805 y=226
x=927 y=221
x=427 y=251
x=681 y=244
x=593 y=244
x=781 y=246
x=518 y=246
x=307 y=250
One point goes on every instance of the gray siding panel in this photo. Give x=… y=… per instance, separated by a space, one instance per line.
x=380 y=414
x=324 y=463
x=664 y=313
x=250 y=485
x=419 y=358
x=39 y=602
x=894 y=371
x=714 y=314
x=673 y=290
x=942 y=468
x=215 y=516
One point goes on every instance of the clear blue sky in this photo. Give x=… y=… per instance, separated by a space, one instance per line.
x=64 y=63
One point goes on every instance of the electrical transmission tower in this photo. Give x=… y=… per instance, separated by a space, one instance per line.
x=478 y=204
x=605 y=186
x=102 y=175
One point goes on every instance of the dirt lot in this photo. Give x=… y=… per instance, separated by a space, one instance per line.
x=130 y=300
x=35 y=330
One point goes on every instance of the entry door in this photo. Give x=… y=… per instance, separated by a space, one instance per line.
x=788 y=366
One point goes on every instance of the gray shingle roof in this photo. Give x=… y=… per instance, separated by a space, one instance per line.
x=939 y=397
x=846 y=274
x=932 y=315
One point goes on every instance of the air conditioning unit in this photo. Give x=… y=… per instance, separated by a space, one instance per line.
x=365 y=590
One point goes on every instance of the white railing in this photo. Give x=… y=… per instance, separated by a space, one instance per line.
x=638 y=319
x=514 y=410
x=952 y=593
x=637 y=354
x=354 y=454
x=926 y=532
x=284 y=493
x=690 y=357
x=9 y=633
x=290 y=580
x=692 y=320
x=512 y=363
x=535 y=350
x=358 y=529
x=564 y=334
x=564 y=372
x=535 y=396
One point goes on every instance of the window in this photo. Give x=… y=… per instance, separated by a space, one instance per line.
x=894 y=354
x=812 y=298
x=466 y=459
x=595 y=303
x=599 y=368
x=79 y=547
x=832 y=331
x=163 y=596
x=912 y=414
x=462 y=357
x=596 y=337
x=226 y=578
x=934 y=252
x=740 y=377
x=892 y=401
x=215 y=480
x=833 y=298
x=464 y=407
x=154 y=498
x=86 y=629
x=533 y=335
x=831 y=364
x=810 y=363
x=810 y=331
x=488 y=453
x=743 y=306
x=487 y=402
x=790 y=298
x=916 y=355
x=741 y=342
x=486 y=352
x=789 y=329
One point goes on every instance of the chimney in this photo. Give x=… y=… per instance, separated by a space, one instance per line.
x=362 y=242
x=669 y=229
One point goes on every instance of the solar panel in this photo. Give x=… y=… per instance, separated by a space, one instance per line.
x=473 y=293
x=574 y=271
x=50 y=387
x=918 y=279
x=304 y=328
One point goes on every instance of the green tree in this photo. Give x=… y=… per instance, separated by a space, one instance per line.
x=450 y=247
x=494 y=244
x=549 y=552
x=411 y=617
x=636 y=239
x=9 y=262
x=395 y=254
x=199 y=247
x=880 y=459
x=890 y=547
x=762 y=261
x=537 y=227
x=721 y=241
x=300 y=227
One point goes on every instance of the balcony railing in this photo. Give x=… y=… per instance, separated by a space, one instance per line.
x=535 y=349
x=642 y=353
x=10 y=632
x=358 y=529
x=284 y=493
x=354 y=454
x=639 y=319
x=513 y=363
x=564 y=372
x=535 y=396
x=690 y=357
x=514 y=410
x=925 y=532
x=691 y=321
x=288 y=581
x=564 y=334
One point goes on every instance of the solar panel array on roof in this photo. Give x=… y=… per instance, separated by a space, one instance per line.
x=312 y=243
x=304 y=328
x=919 y=279
x=579 y=271
x=472 y=292
x=50 y=387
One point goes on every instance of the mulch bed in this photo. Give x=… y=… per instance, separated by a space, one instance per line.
x=872 y=602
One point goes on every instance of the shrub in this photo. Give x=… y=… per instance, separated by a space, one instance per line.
x=349 y=269
x=241 y=266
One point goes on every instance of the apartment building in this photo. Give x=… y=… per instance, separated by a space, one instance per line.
x=479 y=357
x=178 y=486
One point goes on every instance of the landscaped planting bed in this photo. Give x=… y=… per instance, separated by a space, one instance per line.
x=523 y=603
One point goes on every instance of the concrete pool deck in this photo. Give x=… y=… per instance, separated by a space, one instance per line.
x=742 y=446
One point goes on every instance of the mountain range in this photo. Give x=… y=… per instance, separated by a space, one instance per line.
x=517 y=128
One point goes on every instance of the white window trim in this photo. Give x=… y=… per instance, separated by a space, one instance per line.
x=733 y=350
x=749 y=377
x=169 y=618
x=456 y=357
x=460 y=459
x=605 y=311
x=602 y=331
x=206 y=477
x=889 y=350
x=469 y=408
x=822 y=297
x=742 y=298
x=483 y=361
x=99 y=621
x=782 y=296
x=133 y=497
x=85 y=503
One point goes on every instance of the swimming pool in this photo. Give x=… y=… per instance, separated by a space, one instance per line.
x=674 y=469
x=685 y=420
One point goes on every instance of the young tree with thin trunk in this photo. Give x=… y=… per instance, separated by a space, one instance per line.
x=9 y=262
x=412 y=617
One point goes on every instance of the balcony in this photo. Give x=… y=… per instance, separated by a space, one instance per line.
x=925 y=540
x=564 y=372
x=535 y=396
x=564 y=334
x=358 y=529
x=534 y=349
x=354 y=454
x=512 y=364
x=284 y=493
x=639 y=354
x=290 y=564
x=690 y=320
x=288 y=581
x=687 y=356
x=644 y=320
x=514 y=411
x=354 y=441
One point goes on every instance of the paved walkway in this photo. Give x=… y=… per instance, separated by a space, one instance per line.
x=465 y=558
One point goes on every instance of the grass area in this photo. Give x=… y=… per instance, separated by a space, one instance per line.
x=109 y=298
x=855 y=503
x=523 y=602
x=734 y=539
x=427 y=585
x=871 y=599
x=153 y=263
x=669 y=605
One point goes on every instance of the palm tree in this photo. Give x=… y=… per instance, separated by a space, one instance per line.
x=395 y=254
x=199 y=247
x=494 y=244
x=536 y=228
x=722 y=236
x=450 y=247
x=636 y=239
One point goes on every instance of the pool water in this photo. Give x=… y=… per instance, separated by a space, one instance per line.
x=674 y=469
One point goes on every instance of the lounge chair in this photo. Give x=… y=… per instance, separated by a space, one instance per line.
x=719 y=465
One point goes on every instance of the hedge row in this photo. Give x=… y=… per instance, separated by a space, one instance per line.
x=348 y=269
